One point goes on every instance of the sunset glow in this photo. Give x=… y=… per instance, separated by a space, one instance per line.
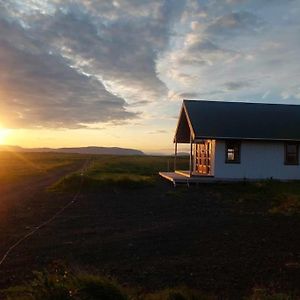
x=149 y=149
x=3 y=134
x=114 y=73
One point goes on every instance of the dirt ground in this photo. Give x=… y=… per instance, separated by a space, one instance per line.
x=153 y=238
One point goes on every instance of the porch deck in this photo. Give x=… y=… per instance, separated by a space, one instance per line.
x=194 y=174
x=177 y=178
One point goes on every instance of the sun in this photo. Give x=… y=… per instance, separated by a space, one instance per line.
x=3 y=134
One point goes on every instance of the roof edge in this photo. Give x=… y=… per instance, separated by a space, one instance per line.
x=184 y=110
x=189 y=121
x=240 y=102
x=245 y=139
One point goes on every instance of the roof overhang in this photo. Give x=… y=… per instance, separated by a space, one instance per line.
x=199 y=138
x=223 y=120
x=184 y=130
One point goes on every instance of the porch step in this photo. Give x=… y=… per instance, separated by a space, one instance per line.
x=187 y=174
x=176 y=178
x=183 y=173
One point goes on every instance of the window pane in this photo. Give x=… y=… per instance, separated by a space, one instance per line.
x=291 y=153
x=291 y=148
x=230 y=154
x=233 y=151
x=291 y=160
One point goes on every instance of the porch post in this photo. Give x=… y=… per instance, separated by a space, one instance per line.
x=175 y=156
x=191 y=155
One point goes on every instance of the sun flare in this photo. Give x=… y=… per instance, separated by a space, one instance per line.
x=3 y=134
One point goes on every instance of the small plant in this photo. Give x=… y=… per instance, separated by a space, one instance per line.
x=182 y=293
x=287 y=204
x=66 y=286
x=263 y=294
x=91 y=287
x=60 y=284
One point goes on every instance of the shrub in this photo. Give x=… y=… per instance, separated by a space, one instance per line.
x=91 y=287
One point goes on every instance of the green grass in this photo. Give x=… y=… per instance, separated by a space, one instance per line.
x=138 y=165
x=72 y=182
x=65 y=285
x=181 y=293
x=106 y=172
x=272 y=196
x=16 y=166
x=119 y=171
x=263 y=294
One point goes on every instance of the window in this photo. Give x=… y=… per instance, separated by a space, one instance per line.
x=291 y=154
x=233 y=152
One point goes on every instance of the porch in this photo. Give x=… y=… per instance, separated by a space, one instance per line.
x=201 y=154
x=179 y=178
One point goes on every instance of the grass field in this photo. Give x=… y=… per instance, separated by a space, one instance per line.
x=18 y=166
x=214 y=241
x=138 y=172
x=117 y=171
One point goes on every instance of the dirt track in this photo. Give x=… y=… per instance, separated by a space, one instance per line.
x=156 y=237
x=25 y=204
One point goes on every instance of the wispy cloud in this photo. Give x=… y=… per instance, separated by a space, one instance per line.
x=158 y=132
x=72 y=64
x=238 y=51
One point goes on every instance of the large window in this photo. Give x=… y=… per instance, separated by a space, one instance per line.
x=291 y=154
x=233 y=152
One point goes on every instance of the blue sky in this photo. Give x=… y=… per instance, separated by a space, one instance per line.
x=115 y=72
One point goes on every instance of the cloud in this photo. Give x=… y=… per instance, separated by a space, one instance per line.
x=291 y=92
x=236 y=23
x=81 y=63
x=39 y=89
x=122 y=53
x=236 y=85
x=78 y=62
x=158 y=132
x=235 y=1
x=177 y=96
x=240 y=50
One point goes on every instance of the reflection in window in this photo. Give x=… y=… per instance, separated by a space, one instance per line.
x=233 y=149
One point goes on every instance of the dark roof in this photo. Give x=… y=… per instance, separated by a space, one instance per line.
x=237 y=120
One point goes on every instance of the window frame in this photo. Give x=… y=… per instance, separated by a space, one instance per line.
x=286 y=162
x=238 y=144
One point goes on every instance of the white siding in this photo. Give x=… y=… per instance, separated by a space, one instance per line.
x=259 y=160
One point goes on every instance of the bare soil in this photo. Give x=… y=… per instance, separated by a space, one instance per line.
x=152 y=238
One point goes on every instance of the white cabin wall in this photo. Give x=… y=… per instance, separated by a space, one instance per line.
x=259 y=160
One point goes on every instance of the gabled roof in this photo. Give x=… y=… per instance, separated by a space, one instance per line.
x=237 y=120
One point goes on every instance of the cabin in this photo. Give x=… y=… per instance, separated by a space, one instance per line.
x=234 y=141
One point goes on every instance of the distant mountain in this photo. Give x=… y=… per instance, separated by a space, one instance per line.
x=79 y=150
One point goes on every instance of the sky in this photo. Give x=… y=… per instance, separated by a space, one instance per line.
x=114 y=73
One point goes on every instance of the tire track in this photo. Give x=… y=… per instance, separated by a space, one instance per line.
x=49 y=220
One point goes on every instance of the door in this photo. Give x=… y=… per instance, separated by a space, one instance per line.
x=203 y=158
